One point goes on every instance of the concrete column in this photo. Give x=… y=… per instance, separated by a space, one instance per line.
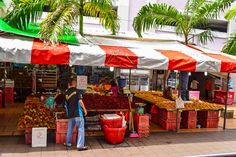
x=123 y=14
x=232 y=29
x=232 y=23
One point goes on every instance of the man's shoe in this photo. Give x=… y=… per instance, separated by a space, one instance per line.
x=68 y=146
x=82 y=148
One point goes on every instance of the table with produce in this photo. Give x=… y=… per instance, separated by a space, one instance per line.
x=195 y=114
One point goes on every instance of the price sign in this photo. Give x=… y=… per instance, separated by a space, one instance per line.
x=179 y=103
x=39 y=137
x=82 y=82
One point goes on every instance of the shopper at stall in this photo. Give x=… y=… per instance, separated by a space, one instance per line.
x=194 y=84
x=75 y=112
x=114 y=88
x=59 y=99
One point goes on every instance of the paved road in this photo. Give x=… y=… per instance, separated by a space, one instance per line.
x=157 y=145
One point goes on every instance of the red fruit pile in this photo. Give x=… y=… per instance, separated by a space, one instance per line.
x=36 y=115
x=96 y=101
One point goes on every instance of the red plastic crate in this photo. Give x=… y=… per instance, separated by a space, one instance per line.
x=114 y=135
x=28 y=135
x=1 y=105
x=111 y=123
x=189 y=124
x=154 y=109
x=154 y=118
x=208 y=114
x=168 y=115
x=219 y=97
x=169 y=125
x=189 y=116
x=62 y=125
x=141 y=121
x=61 y=138
x=143 y=132
x=209 y=123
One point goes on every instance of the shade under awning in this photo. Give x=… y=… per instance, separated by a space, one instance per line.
x=162 y=55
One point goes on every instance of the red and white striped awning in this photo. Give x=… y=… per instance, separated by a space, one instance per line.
x=169 y=55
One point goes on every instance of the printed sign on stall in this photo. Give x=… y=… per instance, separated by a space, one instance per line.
x=39 y=137
x=179 y=103
x=82 y=82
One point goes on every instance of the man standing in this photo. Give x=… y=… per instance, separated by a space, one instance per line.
x=194 y=84
x=76 y=111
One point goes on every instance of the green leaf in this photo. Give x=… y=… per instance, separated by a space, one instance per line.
x=24 y=12
x=157 y=15
x=230 y=46
x=231 y=14
x=104 y=10
x=60 y=22
x=205 y=36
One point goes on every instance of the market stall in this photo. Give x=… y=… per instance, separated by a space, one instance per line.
x=122 y=53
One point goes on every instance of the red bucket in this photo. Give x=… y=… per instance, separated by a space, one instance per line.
x=114 y=135
x=112 y=123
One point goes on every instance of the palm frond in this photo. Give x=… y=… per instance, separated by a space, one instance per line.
x=212 y=9
x=156 y=15
x=59 y=23
x=24 y=12
x=54 y=4
x=230 y=46
x=231 y=14
x=104 y=10
x=2 y=9
x=205 y=36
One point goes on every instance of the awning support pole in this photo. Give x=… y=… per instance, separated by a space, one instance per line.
x=177 y=110
x=226 y=98
x=4 y=85
x=129 y=77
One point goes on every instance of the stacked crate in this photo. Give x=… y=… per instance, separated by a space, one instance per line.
x=141 y=125
x=28 y=135
x=154 y=114
x=61 y=131
x=208 y=119
x=189 y=119
x=1 y=105
x=9 y=95
x=167 y=119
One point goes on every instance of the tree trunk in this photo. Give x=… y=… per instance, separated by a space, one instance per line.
x=81 y=19
x=184 y=79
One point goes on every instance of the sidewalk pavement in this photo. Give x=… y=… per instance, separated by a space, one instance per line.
x=157 y=145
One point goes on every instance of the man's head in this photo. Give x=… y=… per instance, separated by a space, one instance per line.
x=73 y=81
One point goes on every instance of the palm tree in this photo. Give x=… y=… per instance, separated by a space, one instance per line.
x=63 y=16
x=230 y=46
x=195 y=14
x=2 y=9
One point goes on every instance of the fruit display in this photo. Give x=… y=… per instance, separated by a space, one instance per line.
x=171 y=105
x=98 y=101
x=36 y=115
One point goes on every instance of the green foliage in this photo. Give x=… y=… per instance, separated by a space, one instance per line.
x=63 y=17
x=231 y=14
x=230 y=46
x=103 y=10
x=196 y=13
x=205 y=36
x=24 y=12
x=2 y=9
